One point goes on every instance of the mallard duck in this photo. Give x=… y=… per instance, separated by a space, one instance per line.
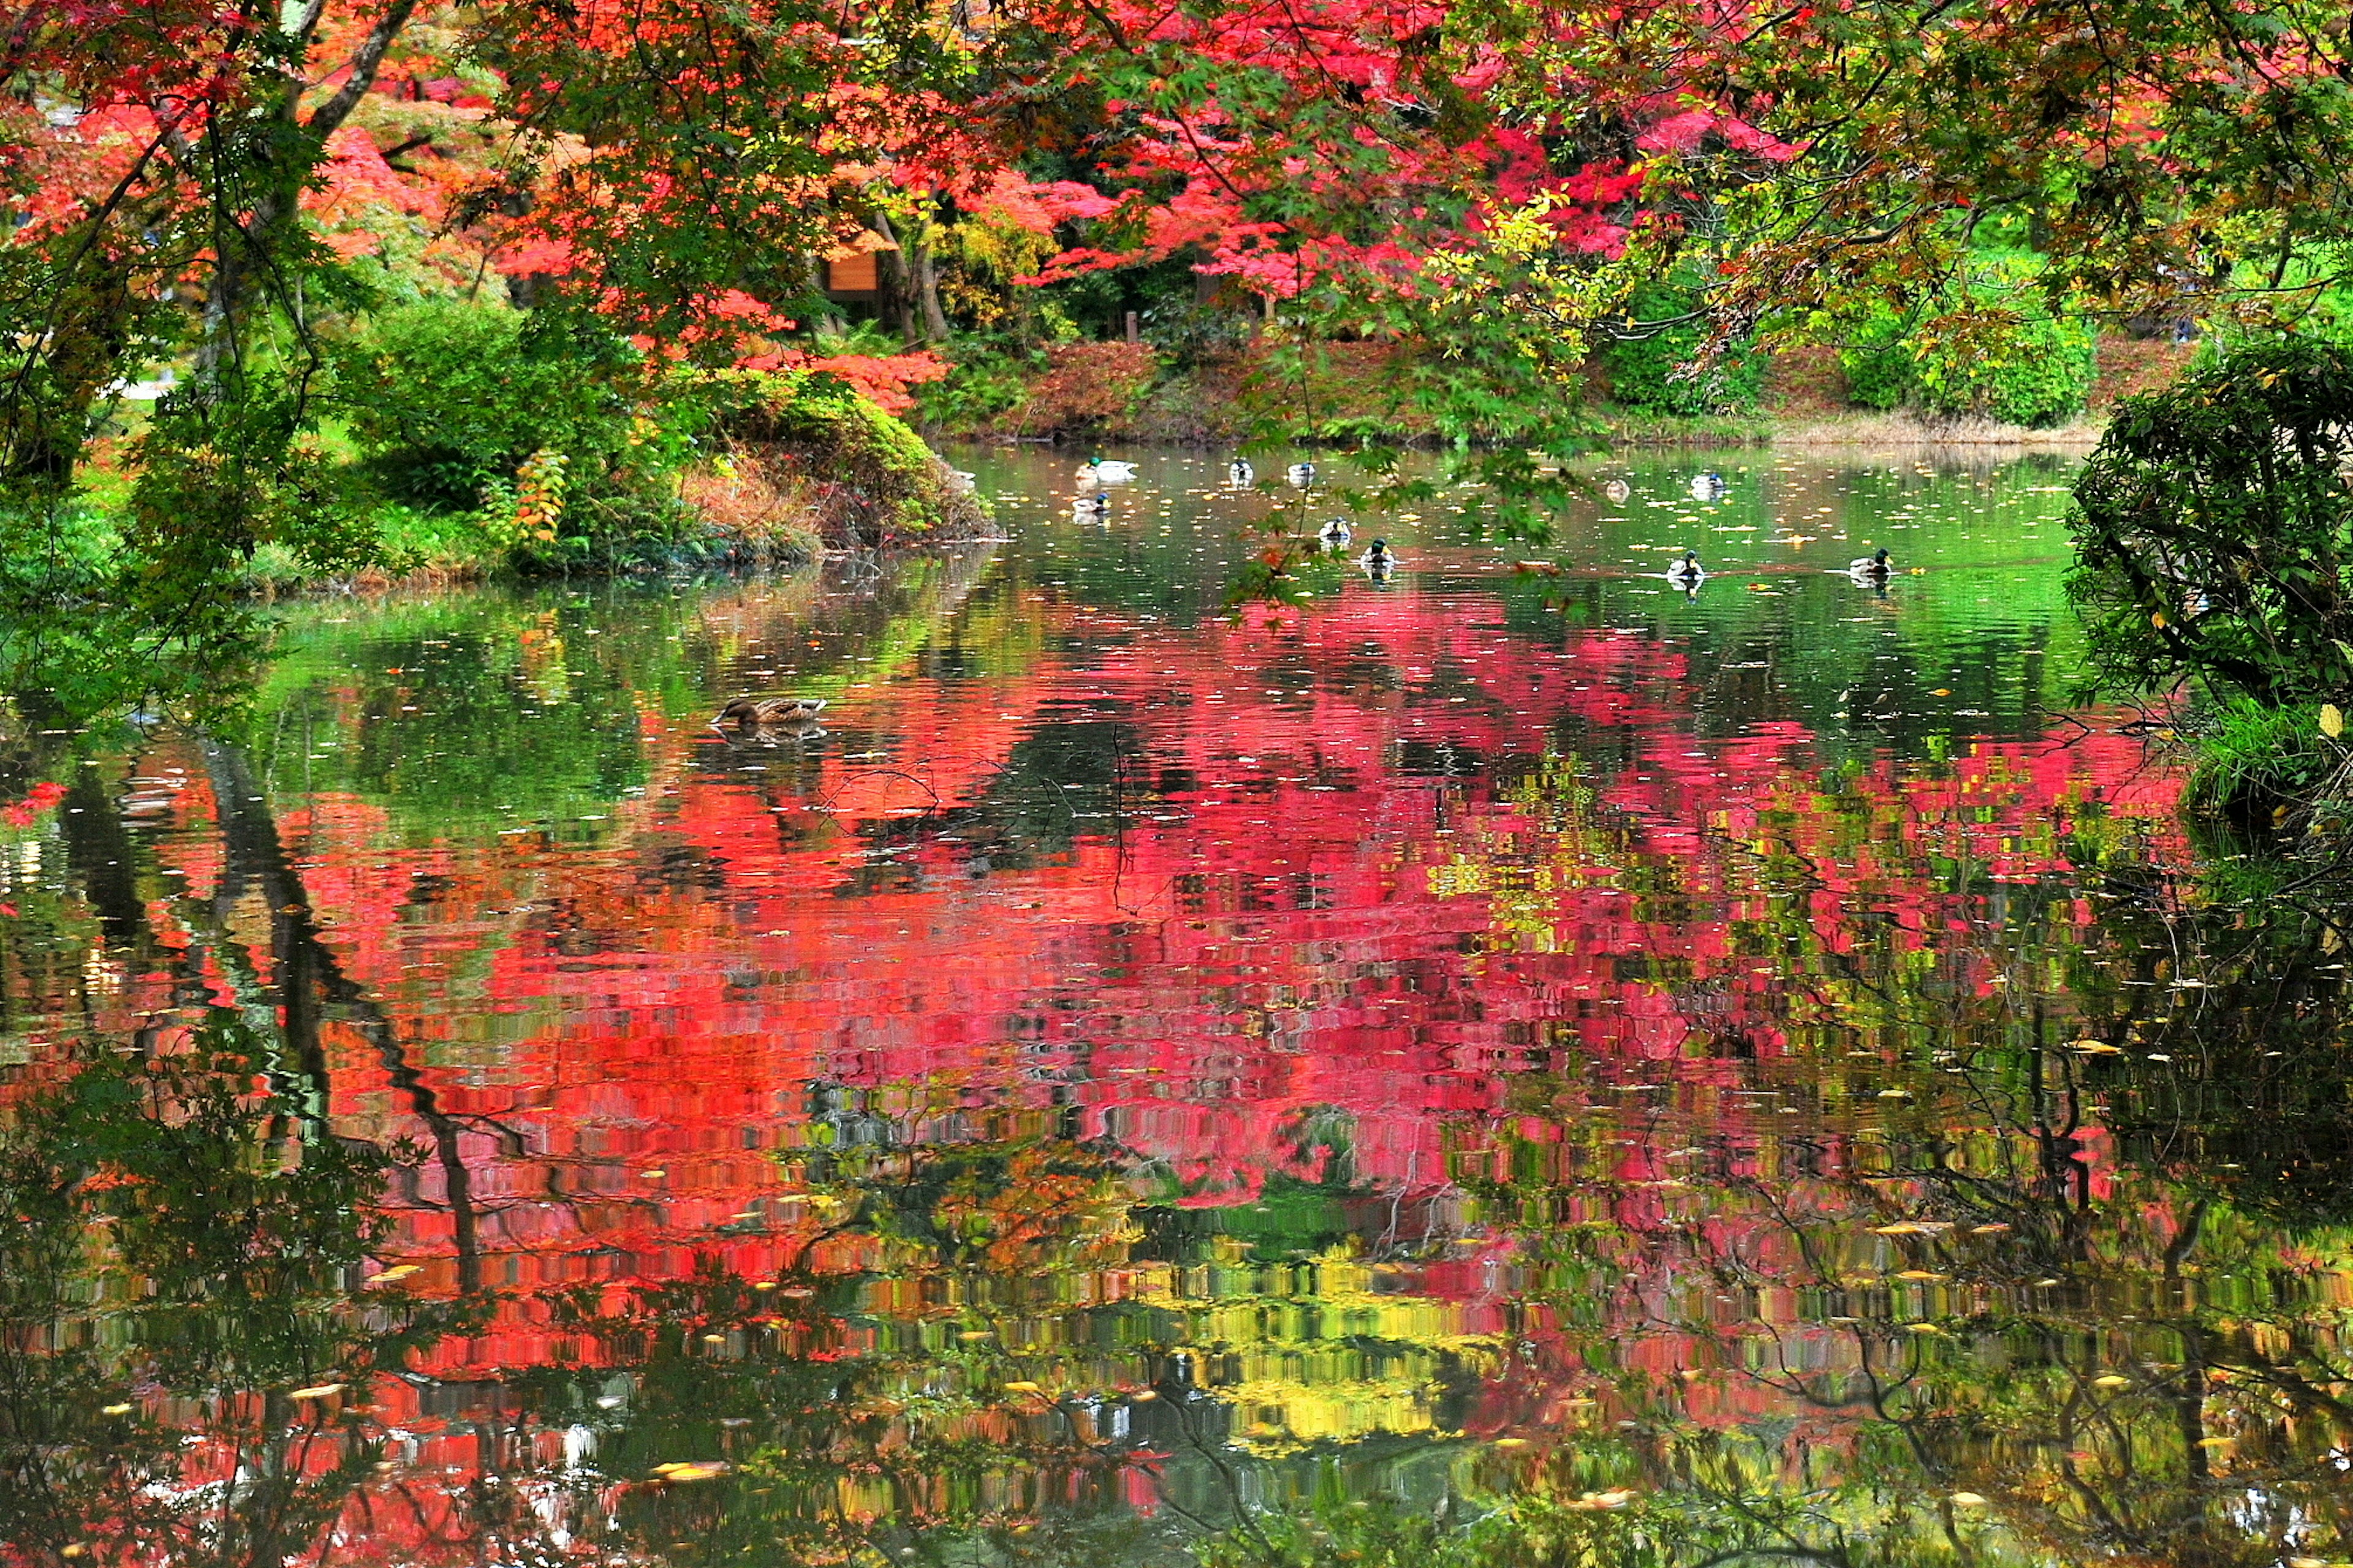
x=1617 y=492
x=1301 y=474
x=1094 y=506
x=1875 y=566
x=1708 y=485
x=761 y=712
x=1239 y=474
x=1688 y=571
x=1337 y=532
x=1101 y=472
x=1380 y=557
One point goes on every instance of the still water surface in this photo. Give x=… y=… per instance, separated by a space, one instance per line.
x=1741 y=1074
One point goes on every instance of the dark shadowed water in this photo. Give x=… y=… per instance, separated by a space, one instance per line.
x=1741 y=1075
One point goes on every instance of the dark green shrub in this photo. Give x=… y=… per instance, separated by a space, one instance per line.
x=2213 y=526
x=1646 y=371
x=446 y=396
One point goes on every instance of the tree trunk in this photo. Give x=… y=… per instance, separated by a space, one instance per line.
x=892 y=272
x=927 y=292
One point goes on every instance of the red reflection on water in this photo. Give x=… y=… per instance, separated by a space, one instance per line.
x=1295 y=908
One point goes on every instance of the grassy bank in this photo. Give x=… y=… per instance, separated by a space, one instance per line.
x=767 y=470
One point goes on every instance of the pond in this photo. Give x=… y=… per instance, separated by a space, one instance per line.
x=1629 y=1073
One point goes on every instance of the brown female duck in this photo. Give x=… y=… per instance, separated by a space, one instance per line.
x=762 y=712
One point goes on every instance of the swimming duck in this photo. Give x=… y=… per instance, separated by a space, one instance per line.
x=759 y=712
x=1337 y=532
x=1688 y=571
x=1380 y=557
x=1708 y=485
x=1239 y=474
x=1875 y=566
x=1093 y=506
x=1301 y=474
x=1101 y=471
x=1617 y=492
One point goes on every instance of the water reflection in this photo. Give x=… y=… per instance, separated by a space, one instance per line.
x=1668 y=1078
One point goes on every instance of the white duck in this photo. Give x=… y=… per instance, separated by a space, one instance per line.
x=1302 y=475
x=1103 y=471
x=1708 y=485
x=1239 y=474
x=1337 y=532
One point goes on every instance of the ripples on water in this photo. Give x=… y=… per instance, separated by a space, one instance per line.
x=1730 y=1072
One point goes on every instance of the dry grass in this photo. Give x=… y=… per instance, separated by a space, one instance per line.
x=769 y=514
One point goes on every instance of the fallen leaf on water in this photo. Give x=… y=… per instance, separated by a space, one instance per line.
x=1511 y=1443
x=1143 y=1394
x=316 y=1391
x=1968 y=1499
x=1918 y=1274
x=1609 y=1500
x=115 y=1410
x=1942 y=691
x=691 y=1469
x=652 y=1175
x=977 y=1335
x=396 y=1273
x=1023 y=1386
x=1993 y=1229
x=2332 y=720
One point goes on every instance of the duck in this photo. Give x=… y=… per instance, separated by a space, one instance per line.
x=1876 y=566
x=1688 y=571
x=1379 y=559
x=1337 y=532
x=1239 y=474
x=1617 y=492
x=1095 y=505
x=1708 y=485
x=762 y=712
x=1303 y=475
x=1103 y=471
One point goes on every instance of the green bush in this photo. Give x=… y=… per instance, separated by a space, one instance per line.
x=871 y=477
x=447 y=396
x=1643 y=371
x=2021 y=369
x=1881 y=373
x=983 y=385
x=1990 y=355
x=2252 y=760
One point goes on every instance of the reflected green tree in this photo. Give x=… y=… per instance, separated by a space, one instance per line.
x=187 y=1344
